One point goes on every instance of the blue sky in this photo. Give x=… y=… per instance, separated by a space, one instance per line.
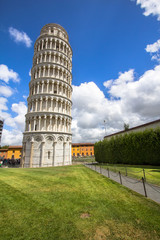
x=116 y=71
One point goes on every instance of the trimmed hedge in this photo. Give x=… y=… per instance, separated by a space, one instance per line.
x=132 y=148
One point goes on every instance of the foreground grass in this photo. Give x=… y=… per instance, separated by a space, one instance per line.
x=152 y=173
x=72 y=202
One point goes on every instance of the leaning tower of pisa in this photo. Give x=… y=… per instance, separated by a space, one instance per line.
x=47 y=138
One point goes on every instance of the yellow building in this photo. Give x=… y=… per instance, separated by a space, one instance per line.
x=14 y=152
x=82 y=149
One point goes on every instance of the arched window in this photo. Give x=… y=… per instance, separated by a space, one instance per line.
x=49 y=154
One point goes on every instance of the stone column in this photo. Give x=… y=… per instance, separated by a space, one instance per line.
x=41 y=58
x=38 y=88
x=64 y=125
x=51 y=104
x=56 y=124
x=64 y=152
x=42 y=86
x=47 y=86
x=46 y=43
x=46 y=104
x=54 y=153
x=49 y=70
x=60 y=127
x=44 y=71
x=45 y=125
x=50 y=123
x=42 y=153
x=34 y=123
x=49 y=56
x=53 y=72
x=31 y=155
x=23 y=154
x=41 y=104
x=51 y=43
x=39 y=123
x=36 y=105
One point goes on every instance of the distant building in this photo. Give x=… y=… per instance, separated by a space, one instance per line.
x=82 y=149
x=140 y=128
x=3 y=153
x=1 y=128
x=14 y=152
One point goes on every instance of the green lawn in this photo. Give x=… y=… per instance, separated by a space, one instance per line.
x=72 y=202
x=83 y=159
x=152 y=173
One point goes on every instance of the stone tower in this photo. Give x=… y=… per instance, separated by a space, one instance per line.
x=47 y=138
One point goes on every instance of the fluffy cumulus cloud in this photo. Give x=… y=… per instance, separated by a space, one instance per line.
x=7 y=74
x=16 y=124
x=20 y=36
x=151 y=7
x=5 y=91
x=13 y=137
x=133 y=101
x=18 y=110
x=154 y=50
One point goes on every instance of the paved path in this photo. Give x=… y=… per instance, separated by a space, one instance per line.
x=153 y=192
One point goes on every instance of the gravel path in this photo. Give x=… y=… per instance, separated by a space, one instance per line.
x=153 y=192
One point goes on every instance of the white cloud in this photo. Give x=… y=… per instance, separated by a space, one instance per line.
x=3 y=104
x=154 y=50
x=25 y=97
x=7 y=74
x=124 y=78
x=20 y=36
x=132 y=101
x=21 y=109
x=5 y=91
x=30 y=72
x=151 y=7
x=108 y=83
x=17 y=122
x=13 y=137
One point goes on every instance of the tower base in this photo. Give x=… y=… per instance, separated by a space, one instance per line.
x=46 y=150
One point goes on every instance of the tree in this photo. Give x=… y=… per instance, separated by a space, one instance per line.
x=4 y=147
x=126 y=126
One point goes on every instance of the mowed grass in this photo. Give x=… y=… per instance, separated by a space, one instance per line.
x=151 y=173
x=72 y=202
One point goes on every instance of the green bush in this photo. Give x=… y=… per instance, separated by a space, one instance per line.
x=132 y=148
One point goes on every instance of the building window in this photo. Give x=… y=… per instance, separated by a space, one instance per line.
x=48 y=154
x=87 y=153
x=91 y=153
x=82 y=154
x=12 y=156
x=73 y=154
x=73 y=149
x=78 y=154
x=13 y=151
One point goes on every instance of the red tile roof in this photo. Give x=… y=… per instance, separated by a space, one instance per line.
x=10 y=147
x=82 y=144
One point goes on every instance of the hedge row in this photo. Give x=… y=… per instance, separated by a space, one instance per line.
x=132 y=148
